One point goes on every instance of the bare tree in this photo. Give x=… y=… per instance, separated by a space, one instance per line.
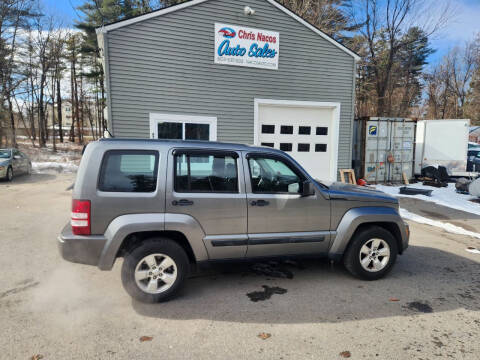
x=462 y=64
x=383 y=25
x=14 y=15
x=58 y=55
x=450 y=85
x=328 y=15
x=45 y=29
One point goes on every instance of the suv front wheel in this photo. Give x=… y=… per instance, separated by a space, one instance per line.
x=155 y=270
x=371 y=253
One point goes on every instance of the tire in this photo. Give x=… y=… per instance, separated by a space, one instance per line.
x=9 y=176
x=375 y=264
x=142 y=276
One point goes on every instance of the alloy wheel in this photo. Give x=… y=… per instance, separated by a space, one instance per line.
x=374 y=255
x=155 y=273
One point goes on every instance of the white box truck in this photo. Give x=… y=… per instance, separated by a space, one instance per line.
x=442 y=143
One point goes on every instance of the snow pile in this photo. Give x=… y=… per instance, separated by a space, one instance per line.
x=39 y=167
x=443 y=225
x=446 y=196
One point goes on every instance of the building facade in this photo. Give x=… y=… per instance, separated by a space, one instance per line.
x=245 y=71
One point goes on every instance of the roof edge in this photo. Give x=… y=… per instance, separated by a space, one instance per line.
x=133 y=20
x=122 y=23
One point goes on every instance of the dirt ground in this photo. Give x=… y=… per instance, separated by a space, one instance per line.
x=427 y=308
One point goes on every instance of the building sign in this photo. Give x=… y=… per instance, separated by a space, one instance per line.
x=242 y=46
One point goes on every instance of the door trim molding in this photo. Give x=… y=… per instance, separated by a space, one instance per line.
x=156 y=118
x=335 y=133
x=227 y=240
x=288 y=238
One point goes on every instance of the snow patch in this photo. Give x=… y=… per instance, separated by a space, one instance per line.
x=473 y=250
x=443 y=225
x=40 y=167
x=446 y=196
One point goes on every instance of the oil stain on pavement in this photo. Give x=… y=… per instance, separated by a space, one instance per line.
x=420 y=307
x=277 y=269
x=266 y=293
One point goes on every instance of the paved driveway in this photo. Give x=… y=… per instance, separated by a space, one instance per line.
x=315 y=310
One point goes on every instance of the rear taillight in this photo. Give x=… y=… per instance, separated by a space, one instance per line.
x=81 y=217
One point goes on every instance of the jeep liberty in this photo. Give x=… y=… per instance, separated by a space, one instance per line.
x=165 y=206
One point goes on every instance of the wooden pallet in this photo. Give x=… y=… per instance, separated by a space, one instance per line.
x=351 y=176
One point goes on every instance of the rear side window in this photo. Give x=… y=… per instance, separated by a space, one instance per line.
x=129 y=171
x=206 y=173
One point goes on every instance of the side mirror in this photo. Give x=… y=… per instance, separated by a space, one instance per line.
x=308 y=189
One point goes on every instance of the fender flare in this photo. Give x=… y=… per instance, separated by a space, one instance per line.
x=124 y=225
x=355 y=217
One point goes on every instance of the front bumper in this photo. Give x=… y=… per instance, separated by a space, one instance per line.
x=80 y=249
x=3 y=172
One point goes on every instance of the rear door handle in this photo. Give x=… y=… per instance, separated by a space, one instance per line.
x=260 y=203
x=183 y=202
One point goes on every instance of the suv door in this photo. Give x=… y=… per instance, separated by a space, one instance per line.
x=280 y=220
x=208 y=186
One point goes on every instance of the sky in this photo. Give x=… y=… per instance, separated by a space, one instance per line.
x=465 y=22
x=463 y=26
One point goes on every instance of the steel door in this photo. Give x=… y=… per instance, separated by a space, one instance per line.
x=284 y=222
x=208 y=185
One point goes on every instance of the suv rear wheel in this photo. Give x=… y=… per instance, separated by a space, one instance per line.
x=155 y=270
x=371 y=253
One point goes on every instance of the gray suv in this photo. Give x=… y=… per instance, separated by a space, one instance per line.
x=165 y=206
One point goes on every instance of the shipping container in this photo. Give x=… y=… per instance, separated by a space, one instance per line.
x=383 y=149
x=442 y=143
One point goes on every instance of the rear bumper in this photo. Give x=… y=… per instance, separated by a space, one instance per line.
x=405 y=237
x=80 y=249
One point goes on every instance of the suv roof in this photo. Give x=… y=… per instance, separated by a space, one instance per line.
x=196 y=143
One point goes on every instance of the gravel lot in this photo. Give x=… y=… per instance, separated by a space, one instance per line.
x=428 y=307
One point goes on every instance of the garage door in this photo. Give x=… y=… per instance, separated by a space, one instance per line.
x=308 y=133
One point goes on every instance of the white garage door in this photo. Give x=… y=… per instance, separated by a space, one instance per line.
x=308 y=132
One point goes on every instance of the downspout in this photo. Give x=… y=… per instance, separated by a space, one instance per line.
x=354 y=82
x=106 y=68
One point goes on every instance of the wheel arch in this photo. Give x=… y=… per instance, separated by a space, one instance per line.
x=133 y=239
x=125 y=230
x=357 y=219
x=391 y=227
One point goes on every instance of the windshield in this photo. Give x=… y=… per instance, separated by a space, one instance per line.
x=4 y=154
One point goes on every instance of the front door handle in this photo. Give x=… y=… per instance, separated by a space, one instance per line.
x=183 y=202
x=260 y=203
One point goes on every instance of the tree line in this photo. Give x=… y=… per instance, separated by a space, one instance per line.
x=45 y=66
x=392 y=37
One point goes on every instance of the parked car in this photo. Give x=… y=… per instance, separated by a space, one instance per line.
x=473 y=159
x=165 y=206
x=12 y=163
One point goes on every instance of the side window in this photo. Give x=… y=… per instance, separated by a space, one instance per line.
x=129 y=171
x=206 y=173
x=270 y=175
